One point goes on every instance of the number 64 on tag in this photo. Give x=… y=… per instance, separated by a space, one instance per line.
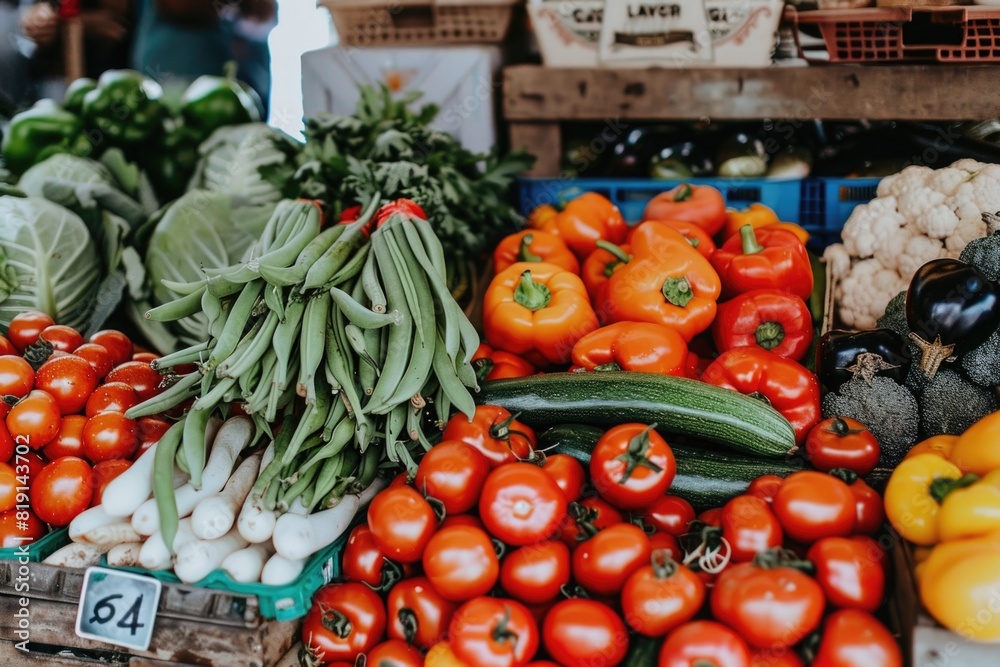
x=118 y=607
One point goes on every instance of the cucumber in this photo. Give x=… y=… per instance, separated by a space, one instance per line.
x=705 y=478
x=676 y=405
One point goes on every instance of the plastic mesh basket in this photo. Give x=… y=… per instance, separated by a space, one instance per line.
x=362 y=23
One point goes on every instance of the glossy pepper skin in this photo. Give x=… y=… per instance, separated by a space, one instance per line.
x=765 y=259
x=667 y=282
x=601 y=264
x=211 y=102
x=534 y=246
x=970 y=511
x=839 y=350
x=538 y=311
x=958 y=581
x=977 y=451
x=913 y=495
x=699 y=239
x=75 y=92
x=755 y=215
x=633 y=346
x=701 y=204
x=788 y=386
x=491 y=364
x=769 y=319
x=43 y=130
x=543 y=218
x=125 y=107
x=586 y=220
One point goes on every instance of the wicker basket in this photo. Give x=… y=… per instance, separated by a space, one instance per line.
x=362 y=23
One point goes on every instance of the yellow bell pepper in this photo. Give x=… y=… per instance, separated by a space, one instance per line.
x=543 y=218
x=971 y=511
x=441 y=655
x=978 y=449
x=755 y=215
x=798 y=230
x=910 y=502
x=960 y=586
x=942 y=445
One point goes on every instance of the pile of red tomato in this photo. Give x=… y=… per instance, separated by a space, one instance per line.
x=494 y=555
x=63 y=432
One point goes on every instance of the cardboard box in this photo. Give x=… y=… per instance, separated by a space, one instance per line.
x=463 y=81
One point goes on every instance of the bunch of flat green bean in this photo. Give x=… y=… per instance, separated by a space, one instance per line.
x=348 y=333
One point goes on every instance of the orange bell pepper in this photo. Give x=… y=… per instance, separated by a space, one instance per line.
x=538 y=311
x=699 y=239
x=701 y=204
x=491 y=364
x=543 y=218
x=588 y=219
x=633 y=346
x=940 y=445
x=798 y=230
x=755 y=215
x=977 y=450
x=667 y=282
x=534 y=245
x=601 y=265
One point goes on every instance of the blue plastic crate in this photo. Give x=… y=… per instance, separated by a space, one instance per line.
x=828 y=202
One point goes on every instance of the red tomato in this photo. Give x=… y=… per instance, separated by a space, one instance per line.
x=586 y=517
x=765 y=487
x=17 y=377
x=111 y=397
x=62 y=490
x=462 y=520
x=659 y=597
x=20 y=531
x=490 y=632
x=63 y=338
x=535 y=574
x=7 y=347
x=568 y=474
x=6 y=440
x=849 y=576
x=30 y=464
x=873 y=550
x=494 y=432
x=34 y=421
x=70 y=380
x=461 y=563
x=869 y=506
x=417 y=614
x=402 y=523
x=812 y=505
x=147 y=357
x=782 y=657
x=69 y=442
x=140 y=376
x=116 y=343
x=702 y=643
x=712 y=517
x=842 y=442
x=98 y=358
x=665 y=542
x=602 y=563
x=521 y=504
x=8 y=487
x=631 y=466
x=151 y=430
x=669 y=514
x=852 y=638
x=356 y=604
x=363 y=561
x=25 y=327
x=453 y=472
x=110 y=435
x=104 y=472
x=394 y=653
x=750 y=527
x=769 y=607
x=585 y=632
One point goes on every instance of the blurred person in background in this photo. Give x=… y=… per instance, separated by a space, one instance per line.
x=179 y=40
x=13 y=62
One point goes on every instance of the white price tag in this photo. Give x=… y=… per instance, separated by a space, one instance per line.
x=118 y=607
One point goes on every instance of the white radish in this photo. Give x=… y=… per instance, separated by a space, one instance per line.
x=75 y=555
x=196 y=559
x=125 y=554
x=296 y=537
x=180 y=477
x=88 y=520
x=245 y=565
x=279 y=570
x=214 y=516
x=123 y=495
x=108 y=535
x=233 y=436
x=255 y=523
x=154 y=554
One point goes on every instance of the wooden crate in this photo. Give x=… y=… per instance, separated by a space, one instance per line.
x=194 y=626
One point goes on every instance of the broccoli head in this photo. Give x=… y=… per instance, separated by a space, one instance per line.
x=984 y=254
x=886 y=407
x=895 y=316
x=982 y=365
x=951 y=404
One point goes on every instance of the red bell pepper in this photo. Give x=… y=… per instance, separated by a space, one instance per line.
x=764 y=259
x=491 y=364
x=767 y=318
x=785 y=384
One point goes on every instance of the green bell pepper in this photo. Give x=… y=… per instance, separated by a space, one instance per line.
x=125 y=106
x=73 y=99
x=41 y=131
x=211 y=102
x=171 y=163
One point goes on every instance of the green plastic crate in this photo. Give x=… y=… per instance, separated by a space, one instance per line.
x=40 y=549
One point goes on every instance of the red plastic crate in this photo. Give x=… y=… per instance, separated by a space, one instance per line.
x=893 y=34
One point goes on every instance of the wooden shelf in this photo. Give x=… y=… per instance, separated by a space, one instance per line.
x=537 y=99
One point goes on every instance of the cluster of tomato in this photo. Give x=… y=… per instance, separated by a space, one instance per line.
x=494 y=554
x=63 y=432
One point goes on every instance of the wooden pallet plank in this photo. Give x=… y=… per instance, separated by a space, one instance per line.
x=533 y=94
x=543 y=140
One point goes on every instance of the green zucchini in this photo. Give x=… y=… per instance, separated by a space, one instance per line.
x=643 y=652
x=705 y=478
x=676 y=405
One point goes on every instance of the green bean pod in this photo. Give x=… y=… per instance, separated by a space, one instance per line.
x=163 y=482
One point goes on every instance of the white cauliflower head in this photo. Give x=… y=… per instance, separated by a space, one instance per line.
x=869 y=223
x=864 y=292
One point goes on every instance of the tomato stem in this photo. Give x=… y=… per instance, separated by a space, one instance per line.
x=335 y=621
x=408 y=619
x=636 y=455
x=845 y=475
x=525 y=254
x=780 y=557
x=840 y=428
x=750 y=244
x=391 y=574
x=483 y=367
x=38 y=353
x=502 y=632
x=664 y=565
x=769 y=335
x=533 y=296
